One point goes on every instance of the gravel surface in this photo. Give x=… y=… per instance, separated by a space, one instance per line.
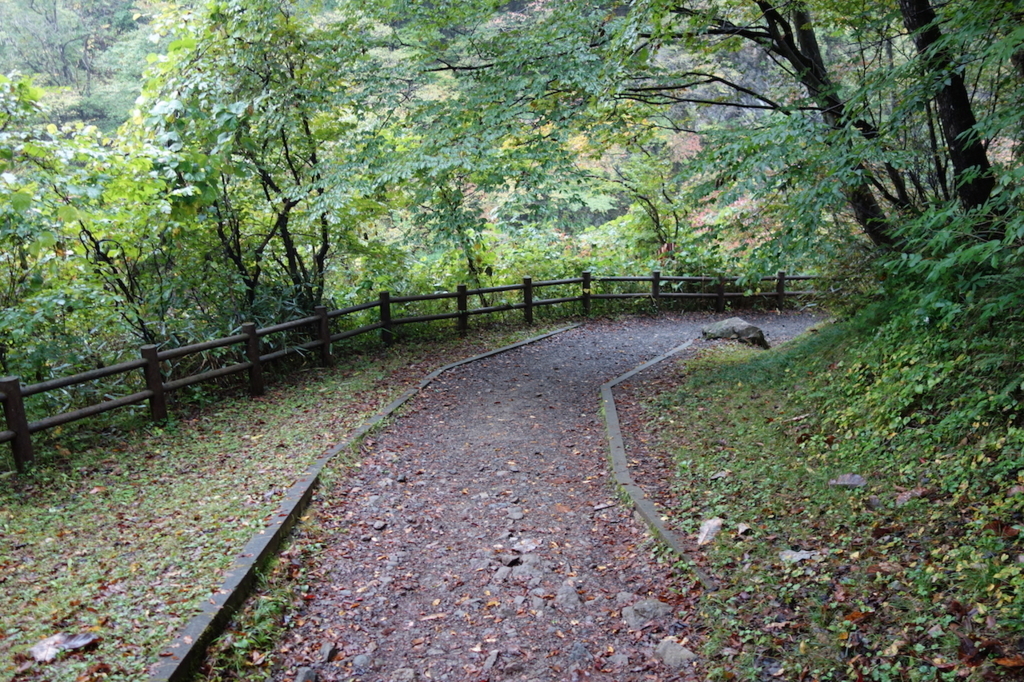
x=481 y=538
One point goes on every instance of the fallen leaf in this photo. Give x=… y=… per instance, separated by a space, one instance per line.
x=1015 y=661
x=849 y=481
x=791 y=557
x=96 y=672
x=743 y=529
x=908 y=495
x=894 y=648
x=526 y=545
x=47 y=649
x=708 y=530
x=1002 y=529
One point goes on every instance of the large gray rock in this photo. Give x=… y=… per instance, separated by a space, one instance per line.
x=736 y=328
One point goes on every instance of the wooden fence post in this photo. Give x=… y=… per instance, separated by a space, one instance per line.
x=386 y=334
x=586 y=293
x=324 y=332
x=463 y=304
x=780 y=289
x=252 y=352
x=14 y=413
x=720 y=296
x=155 y=383
x=656 y=285
x=528 y=299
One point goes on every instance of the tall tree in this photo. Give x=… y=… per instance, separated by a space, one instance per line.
x=261 y=105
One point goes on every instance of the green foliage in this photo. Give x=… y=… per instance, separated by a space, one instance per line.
x=926 y=549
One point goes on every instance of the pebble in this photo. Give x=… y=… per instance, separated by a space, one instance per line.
x=403 y=675
x=305 y=675
x=647 y=609
x=579 y=653
x=361 y=662
x=380 y=525
x=327 y=652
x=567 y=597
x=514 y=668
x=525 y=573
x=509 y=559
x=618 y=660
x=673 y=654
x=516 y=514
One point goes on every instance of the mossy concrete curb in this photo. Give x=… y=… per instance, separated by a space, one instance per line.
x=180 y=658
x=620 y=469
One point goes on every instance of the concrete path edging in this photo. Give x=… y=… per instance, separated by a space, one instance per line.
x=620 y=469
x=180 y=658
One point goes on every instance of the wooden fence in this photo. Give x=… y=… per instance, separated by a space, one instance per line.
x=12 y=392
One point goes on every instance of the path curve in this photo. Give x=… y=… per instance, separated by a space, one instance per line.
x=481 y=538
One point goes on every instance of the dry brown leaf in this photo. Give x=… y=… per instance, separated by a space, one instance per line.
x=708 y=530
x=909 y=495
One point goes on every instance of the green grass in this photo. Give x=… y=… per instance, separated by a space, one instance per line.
x=124 y=538
x=914 y=576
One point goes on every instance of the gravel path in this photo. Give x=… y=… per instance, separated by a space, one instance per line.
x=481 y=538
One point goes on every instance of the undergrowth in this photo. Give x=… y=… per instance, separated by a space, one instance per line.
x=871 y=485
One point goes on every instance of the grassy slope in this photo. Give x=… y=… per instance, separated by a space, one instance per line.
x=124 y=538
x=914 y=576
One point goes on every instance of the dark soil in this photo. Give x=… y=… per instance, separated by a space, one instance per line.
x=481 y=538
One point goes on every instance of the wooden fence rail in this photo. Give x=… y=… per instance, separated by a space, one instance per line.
x=12 y=392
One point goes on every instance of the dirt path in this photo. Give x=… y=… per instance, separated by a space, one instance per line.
x=481 y=539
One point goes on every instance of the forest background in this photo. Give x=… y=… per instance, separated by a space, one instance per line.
x=169 y=171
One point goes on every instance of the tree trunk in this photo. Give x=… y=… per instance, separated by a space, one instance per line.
x=799 y=47
x=971 y=169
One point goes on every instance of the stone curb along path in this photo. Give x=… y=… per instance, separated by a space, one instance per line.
x=620 y=468
x=180 y=658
